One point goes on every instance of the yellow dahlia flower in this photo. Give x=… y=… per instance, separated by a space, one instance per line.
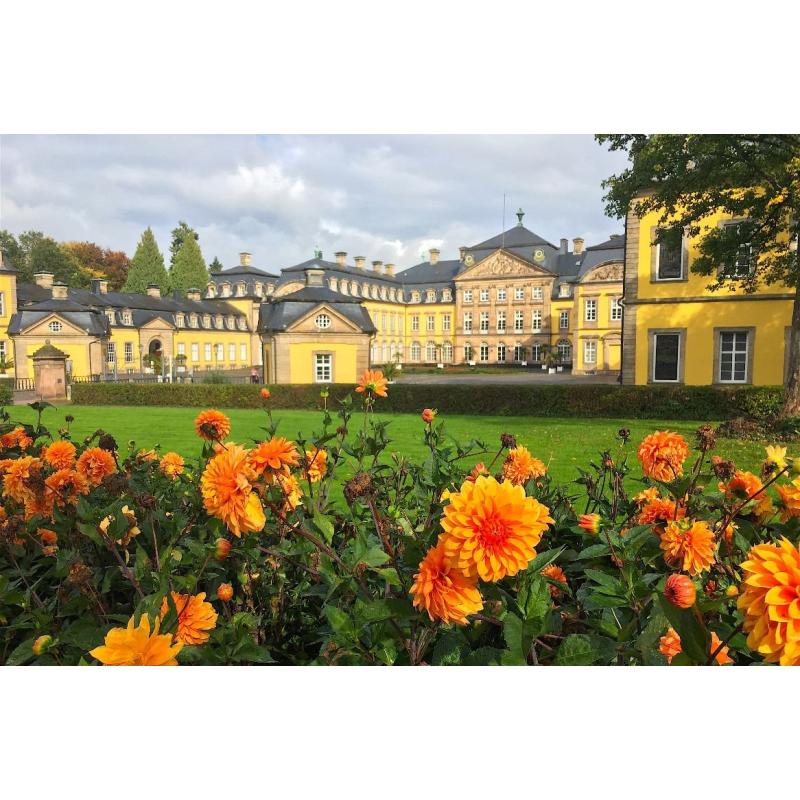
x=316 y=464
x=776 y=455
x=444 y=592
x=491 y=528
x=688 y=546
x=520 y=466
x=771 y=602
x=195 y=617
x=790 y=499
x=137 y=647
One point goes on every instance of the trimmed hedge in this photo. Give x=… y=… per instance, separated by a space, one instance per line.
x=6 y=394
x=561 y=400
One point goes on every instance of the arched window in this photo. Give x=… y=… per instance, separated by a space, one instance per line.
x=322 y=321
x=430 y=352
x=416 y=351
x=564 y=350
x=241 y=289
x=334 y=284
x=447 y=352
x=211 y=290
x=225 y=289
x=55 y=326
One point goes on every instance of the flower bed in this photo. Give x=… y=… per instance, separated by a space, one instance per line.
x=473 y=556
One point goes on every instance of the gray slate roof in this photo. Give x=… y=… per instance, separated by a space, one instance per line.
x=278 y=315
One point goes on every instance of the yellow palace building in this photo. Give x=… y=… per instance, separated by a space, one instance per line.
x=677 y=331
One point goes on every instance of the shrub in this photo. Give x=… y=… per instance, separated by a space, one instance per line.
x=623 y=402
x=6 y=394
x=247 y=555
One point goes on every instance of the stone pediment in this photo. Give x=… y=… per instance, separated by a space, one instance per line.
x=605 y=272
x=502 y=263
x=41 y=328
x=339 y=323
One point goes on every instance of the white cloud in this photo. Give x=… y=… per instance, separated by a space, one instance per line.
x=384 y=197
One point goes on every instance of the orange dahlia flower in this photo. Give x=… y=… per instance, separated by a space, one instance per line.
x=16 y=438
x=646 y=495
x=292 y=492
x=771 y=602
x=491 y=529
x=171 y=465
x=744 y=485
x=277 y=455
x=212 y=425
x=662 y=454
x=554 y=573
x=444 y=592
x=64 y=487
x=428 y=415
x=680 y=591
x=47 y=536
x=147 y=455
x=372 y=382
x=23 y=479
x=316 y=465
x=60 y=454
x=95 y=464
x=590 y=523
x=137 y=647
x=659 y=511
x=670 y=645
x=228 y=492
x=478 y=469
x=790 y=499
x=688 y=545
x=265 y=393
x=195 y=617
x=520 y=466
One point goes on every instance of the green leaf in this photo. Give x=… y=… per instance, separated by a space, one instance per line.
x=375 y=557
x=543 y=559
x=324 y=526
x=604 y=579
x=592 y=551
x=449 y=649
x=482 y=657
x=695 y=637
x=341 y=623
x=534 y=597
x=21 y=654
x=576 y=650
x=389 y=574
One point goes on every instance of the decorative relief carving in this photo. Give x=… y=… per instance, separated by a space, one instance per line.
x=501 y=264
x=608 y=272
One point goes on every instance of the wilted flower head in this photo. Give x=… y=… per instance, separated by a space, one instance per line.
x=706 y=437
x=722 y=467
x=508 y=440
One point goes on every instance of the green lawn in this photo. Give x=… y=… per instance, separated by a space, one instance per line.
x=563 y=443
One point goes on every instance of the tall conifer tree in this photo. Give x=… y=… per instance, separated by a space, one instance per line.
x=189 y=270
x=147 y=266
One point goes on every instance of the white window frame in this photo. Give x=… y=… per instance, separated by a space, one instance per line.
x=536 y=320
x=483 y=296
x=127 y=352
x=467 y=322
x=501 y=295
x=590 y=352
x=445 y=323
x=467 y=295
x=484 y=353
x=55 y=326
x=519 y=292
x=519 y=321
x=231 y=351
x=734 y=352
x=430 y=352
x=501 y=321
x=195 y=352
x=657 y=277
x=2 y=304
x=563 y=290
x=484 y=322
x=243 y=352
x=207 y=352
x=590 y=309
x=416 y=351
x=678 y=364
x=501 y=353
x=430 y=323
x=616 y=309
x=536 y=293
x=563 y=320
x=111 y=352
x=220 y=354
x=323 y=368
x=322 y=321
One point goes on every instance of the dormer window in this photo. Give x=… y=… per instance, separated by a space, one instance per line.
x=259 y=289
x=218 y=321
x=110 y=315
x=563 y=290
x=226 y=289
x=383 y=292
x=447 y=295
x=241 y=289
x=334 y=284
x=344 y=287
x=231 y=321
x=206 y=320
x=211 y=290
x=179 y=320
x=392 y=295
x=415 y=297
x=270 y=288
x=430 y=296
x=127 y=318
x=242 y=324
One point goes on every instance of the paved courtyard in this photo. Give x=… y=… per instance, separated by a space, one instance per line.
x=527 y=377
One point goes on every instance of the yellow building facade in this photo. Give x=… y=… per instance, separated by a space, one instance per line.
x=677 y=331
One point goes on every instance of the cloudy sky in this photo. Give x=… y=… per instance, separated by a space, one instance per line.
x=383 y=197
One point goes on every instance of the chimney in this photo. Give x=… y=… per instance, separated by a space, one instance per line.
x=99 y=286
x=564 y=247
x=315 y=277
x=377 y=266
x=44 y=279
x=360 y=261
x=615 y=236
x=390 y=269
x=462 y=252
x=341 y=258
x=577 y=246
x=434 y=255
x=244 y=259
x=153 y=290
x=191 y=294
x=59 y=291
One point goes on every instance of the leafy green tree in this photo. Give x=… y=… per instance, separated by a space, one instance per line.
x=687 y=177
x=98 y=262
x=147 y=266
x=47 y=255
x=215 y=267
x=179 y=236
x=189 y=270
x=11 y=247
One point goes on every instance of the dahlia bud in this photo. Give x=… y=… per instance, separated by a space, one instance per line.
x=590 y=523
x=223 y=547
x=428 y=415
x=324 y=393
x=42 y=645
x=69 y=418
x=732 y=591
x=624 y=434
x=711 y=587
x=225 y=592
x=477 y=470
x=680 y=591
x=508 y=440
